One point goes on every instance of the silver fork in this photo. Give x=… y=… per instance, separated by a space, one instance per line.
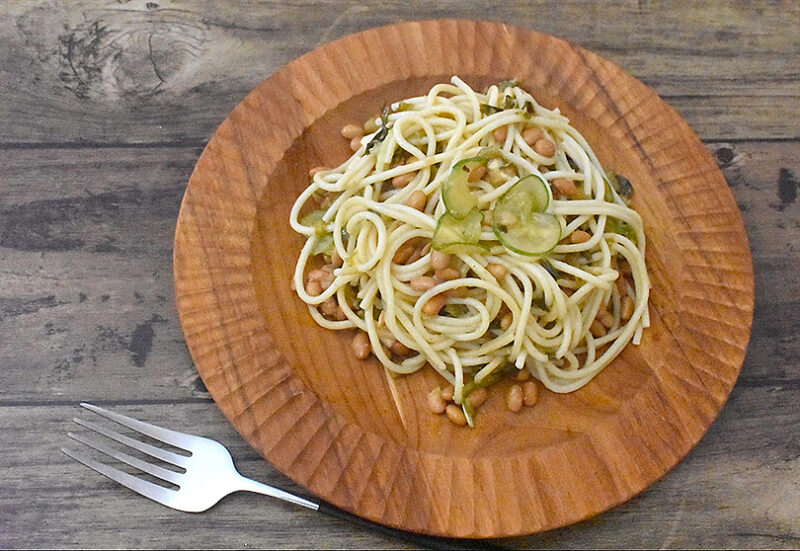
x=209 y=471
x=209 y=475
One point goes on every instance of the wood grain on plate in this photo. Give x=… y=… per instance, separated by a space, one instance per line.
x=327 y=420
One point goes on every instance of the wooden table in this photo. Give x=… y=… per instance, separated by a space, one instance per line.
x=105 y=107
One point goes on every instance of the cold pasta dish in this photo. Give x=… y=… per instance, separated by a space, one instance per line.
x=475 y=233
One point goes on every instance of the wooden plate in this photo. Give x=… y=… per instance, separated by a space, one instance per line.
x=328 y=421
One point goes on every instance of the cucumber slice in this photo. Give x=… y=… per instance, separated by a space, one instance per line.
x=458 y=199
x=537 y=234
x=323 y=245
x=466 y=248
x=489 y=152
x=314 y=219
x=529 y=194
x=459 y=236
x=324 y=242
x=519 y=221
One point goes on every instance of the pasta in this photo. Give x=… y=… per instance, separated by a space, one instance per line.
x=476 y=233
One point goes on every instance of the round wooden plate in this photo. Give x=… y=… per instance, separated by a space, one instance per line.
x=327 y=420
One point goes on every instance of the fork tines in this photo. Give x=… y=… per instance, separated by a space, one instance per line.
x=144 y=487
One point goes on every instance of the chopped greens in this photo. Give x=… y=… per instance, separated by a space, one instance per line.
x=383 y=131
x=529 y=108
x=508 y=83
x=625 y=187
x=454 y=310
x=508 y=103
x=487 y=109
x=550 y=270
x=614 y=225
x=620 y=184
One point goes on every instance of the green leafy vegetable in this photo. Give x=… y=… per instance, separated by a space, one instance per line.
x=503 y=84
x=529 y=107
x=540 y=302
x=487 y=109
x=454 y=310
x=621 y=185
x=508 y=103
x=614 y=225
x=383 y=131
x=491 y=379
x=625 y=187
x=550 y=270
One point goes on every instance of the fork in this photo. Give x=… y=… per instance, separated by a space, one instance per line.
x=209 y=475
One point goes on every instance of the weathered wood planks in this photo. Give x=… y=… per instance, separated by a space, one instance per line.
x=86 y=307
x=171 y=70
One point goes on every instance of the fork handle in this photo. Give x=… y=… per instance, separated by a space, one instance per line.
x=426 y=542
x=249 y=485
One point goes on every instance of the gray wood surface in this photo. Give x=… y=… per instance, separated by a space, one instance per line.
x=105 y=107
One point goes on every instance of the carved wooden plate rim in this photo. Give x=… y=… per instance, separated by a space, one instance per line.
x=698 y=255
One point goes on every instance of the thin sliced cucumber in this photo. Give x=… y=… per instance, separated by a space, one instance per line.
x=489 y=152
x=529 y=194
x=458 y=199
x=324 y=244
x=537 y=234
x=459 y=236
x=519 y=221
x=314 y=220
x=466 y=248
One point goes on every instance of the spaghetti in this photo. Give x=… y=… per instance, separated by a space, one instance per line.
x=477 y=233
